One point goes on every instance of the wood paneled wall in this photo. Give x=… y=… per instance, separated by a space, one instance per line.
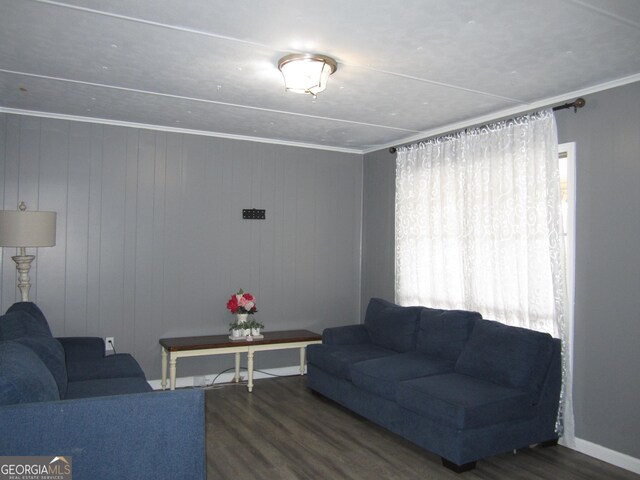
x=151 y=241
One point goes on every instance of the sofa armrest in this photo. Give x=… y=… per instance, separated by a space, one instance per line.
x=345 y=335
x=144 y=436
x=78 y=349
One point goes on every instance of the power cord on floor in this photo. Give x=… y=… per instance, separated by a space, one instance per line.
x=210 y=385
x=216 y=377
x=272 y=374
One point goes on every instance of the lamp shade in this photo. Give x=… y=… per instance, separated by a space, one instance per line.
x=27 y=229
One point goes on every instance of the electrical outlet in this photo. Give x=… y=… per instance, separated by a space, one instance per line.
x=109 y=344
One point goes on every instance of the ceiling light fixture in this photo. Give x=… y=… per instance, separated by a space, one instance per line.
x=306 y=73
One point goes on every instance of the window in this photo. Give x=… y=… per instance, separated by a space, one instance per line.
x=478 y=223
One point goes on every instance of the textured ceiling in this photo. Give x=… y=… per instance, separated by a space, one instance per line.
x=406 y=68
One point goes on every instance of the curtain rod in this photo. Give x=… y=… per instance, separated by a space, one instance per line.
x=576 y=104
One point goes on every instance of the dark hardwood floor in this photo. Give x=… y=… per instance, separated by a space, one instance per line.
x=283 y=431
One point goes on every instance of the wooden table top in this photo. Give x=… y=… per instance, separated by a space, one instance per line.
x=221 y=341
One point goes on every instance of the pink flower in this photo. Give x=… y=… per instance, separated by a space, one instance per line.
x=244 y=302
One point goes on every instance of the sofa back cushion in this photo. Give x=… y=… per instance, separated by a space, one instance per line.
x=51 y=353
x=22 y=327
x=392 y=326
x=18 y=324
x=511 y=356
x=443 y=333
x=33 y=310
x=23 y=376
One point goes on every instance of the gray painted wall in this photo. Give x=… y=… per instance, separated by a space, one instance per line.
x=607 y=313
x=378 y=227
x=607 y=310
x=150 y=240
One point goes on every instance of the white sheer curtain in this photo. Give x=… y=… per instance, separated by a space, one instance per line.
x=479 y=226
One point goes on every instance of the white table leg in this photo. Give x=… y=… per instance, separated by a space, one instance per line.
x=172 y=371
x=302 y=354
x=250 y=370
x=236 y=378
x=164 y=369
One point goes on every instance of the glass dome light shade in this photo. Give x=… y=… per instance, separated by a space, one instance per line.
x=305 y=73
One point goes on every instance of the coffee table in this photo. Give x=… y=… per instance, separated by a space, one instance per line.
x=180 y=347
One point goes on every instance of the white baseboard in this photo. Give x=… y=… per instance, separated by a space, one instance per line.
x=607 y=455
x=182 y=382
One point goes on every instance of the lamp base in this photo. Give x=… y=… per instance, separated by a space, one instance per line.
x=23 y=265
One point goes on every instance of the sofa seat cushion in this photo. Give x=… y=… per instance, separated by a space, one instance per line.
x=383 y=375
x=108 y=386
x=391 y=326
x=50 y=351
x=511 y=356
x=119 y=365
x=464 y=402
x=23 y=376
x=337 y=359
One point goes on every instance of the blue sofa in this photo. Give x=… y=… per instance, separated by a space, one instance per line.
x=447 y=380
x=64 y=397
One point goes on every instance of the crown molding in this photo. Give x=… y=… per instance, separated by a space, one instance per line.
x=453 y=127
x=162 y=128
